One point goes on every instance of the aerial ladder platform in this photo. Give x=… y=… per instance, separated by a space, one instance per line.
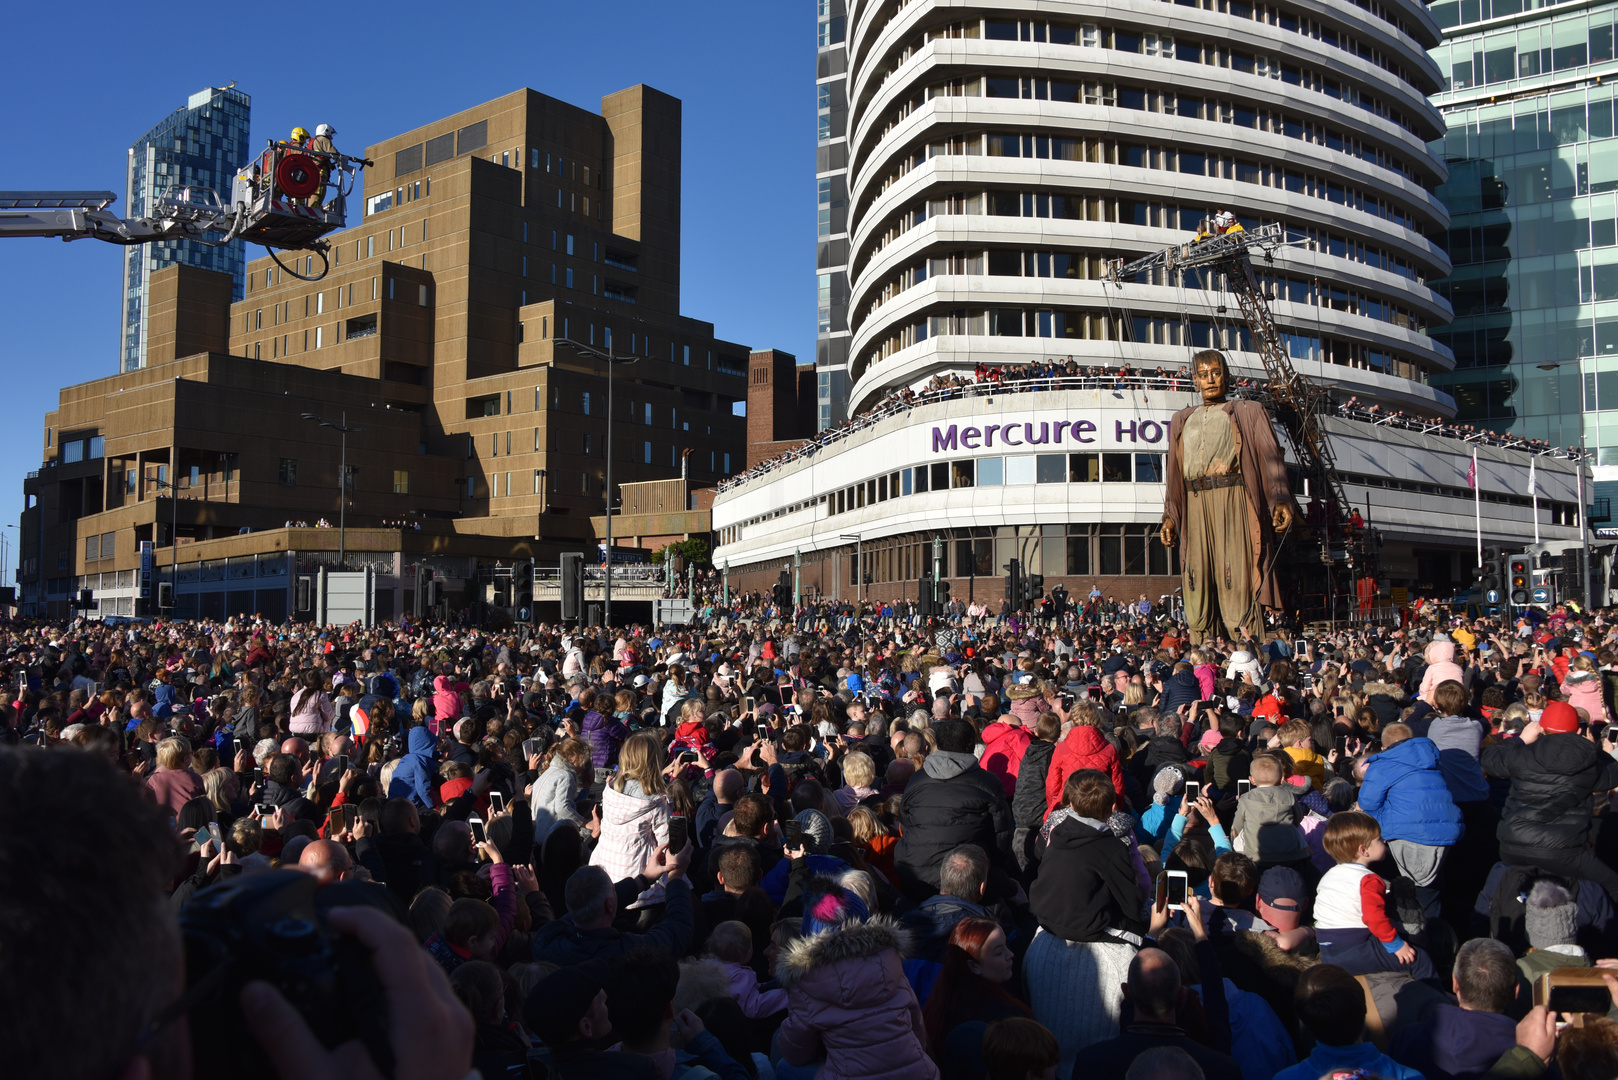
x=1297 y=402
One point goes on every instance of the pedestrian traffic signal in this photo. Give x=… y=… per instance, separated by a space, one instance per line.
x=1033 y=591
x=1521 y=581
x=1489 y=570
x=165 y=595
x=522 y=591
x=926 y=599
x=572 y=577
x=1014 y=584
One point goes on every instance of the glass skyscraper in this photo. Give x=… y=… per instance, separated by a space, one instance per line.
x=200 y=145
x=1533 y=161
x=831 y=192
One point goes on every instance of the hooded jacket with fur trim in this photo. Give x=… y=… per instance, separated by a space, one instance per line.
x=849 y=1002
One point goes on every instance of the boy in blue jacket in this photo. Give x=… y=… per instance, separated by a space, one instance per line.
x=1405 y=790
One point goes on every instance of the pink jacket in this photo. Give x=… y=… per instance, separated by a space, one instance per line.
x=1206 y=679
x=1441 y=667
x=1583 y=691
x=173 y=788
x=850 y=1003
x=446 y=704
x=744 y=988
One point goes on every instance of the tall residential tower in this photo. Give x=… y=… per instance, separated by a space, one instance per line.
x=200 y=145
x=831 y=194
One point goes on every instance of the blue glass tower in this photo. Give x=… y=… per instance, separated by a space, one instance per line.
x=201 y=145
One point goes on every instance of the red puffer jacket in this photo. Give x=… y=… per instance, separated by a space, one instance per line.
x=1003 y=744
x=1084 y=748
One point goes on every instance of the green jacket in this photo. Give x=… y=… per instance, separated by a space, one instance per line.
x=1518 y=1063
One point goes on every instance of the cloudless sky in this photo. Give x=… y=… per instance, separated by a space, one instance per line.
x=78 y=95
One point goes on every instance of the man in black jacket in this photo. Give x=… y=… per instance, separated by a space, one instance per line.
x=952 y=801
x=586 y=933
x=1555 y=774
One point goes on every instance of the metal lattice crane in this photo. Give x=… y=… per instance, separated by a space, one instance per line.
x=1298 y=403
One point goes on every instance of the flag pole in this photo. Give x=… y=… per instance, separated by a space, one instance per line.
x=1477 y=502
x=1533 y=490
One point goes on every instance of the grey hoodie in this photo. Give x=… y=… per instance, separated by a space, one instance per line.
x=1265 y=825
x=946 y=764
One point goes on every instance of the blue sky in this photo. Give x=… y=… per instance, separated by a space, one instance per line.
x=744 y=70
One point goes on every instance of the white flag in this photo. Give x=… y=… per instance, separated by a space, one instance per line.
x=1531 y=477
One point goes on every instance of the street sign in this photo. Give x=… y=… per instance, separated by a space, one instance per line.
x=1492 y=596
x=1542 y=594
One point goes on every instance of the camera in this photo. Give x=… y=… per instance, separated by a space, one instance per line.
x=272 y=926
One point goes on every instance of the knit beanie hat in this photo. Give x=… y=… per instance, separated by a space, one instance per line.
x=1165 y=784
x=827 y=905
x=1122 y=825
x=1550 y=915
x=817 y=834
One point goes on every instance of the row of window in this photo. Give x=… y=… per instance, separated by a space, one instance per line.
x=1214 y=54
x=1125 y=211
x=1089 y=266
x=1111 y=550
x=1560 y=44
x=1157 y=100
x=1085 y=325
x=1160 y=158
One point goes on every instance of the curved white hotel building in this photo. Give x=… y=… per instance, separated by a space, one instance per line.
x=997 y=157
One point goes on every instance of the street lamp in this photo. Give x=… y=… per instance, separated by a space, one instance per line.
x=174 y=538
x=859 y=567
x=343 y=427
x=611 y=361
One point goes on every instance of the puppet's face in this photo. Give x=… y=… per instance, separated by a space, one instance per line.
x=1211 y=379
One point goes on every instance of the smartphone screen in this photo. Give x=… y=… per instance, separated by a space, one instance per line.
x=792 y=832
x=478 y=835
x=266 y=810
x=1573 y=998
x=1243 y=787
x=677 y=835
x=337 y=820
x=214 y=834
x=1176 y=888
x=1161 y=892
x=752 y=704
x=258 y=774
x=1095 y=693
x=497 y=801
x=1299 y=647
x=1193 y=788
x=342 y=765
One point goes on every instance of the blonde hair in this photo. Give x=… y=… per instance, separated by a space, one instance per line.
x=172 y=752
x=859 y=770
x=641 y=760
x=1134 y=694
x=1583 y=663
x=214 y=782
x=866 y=825
x=1083 y=714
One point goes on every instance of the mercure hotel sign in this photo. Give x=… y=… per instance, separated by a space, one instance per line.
x=1107 y=430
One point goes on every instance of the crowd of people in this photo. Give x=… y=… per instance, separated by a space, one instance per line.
x=972 y=849
x=1055 y=374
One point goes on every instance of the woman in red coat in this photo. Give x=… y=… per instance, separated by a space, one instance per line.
x=1083 y=748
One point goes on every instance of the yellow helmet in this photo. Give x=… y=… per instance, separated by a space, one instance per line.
x=299 y=134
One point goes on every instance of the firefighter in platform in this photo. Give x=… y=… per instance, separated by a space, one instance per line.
x=322 y=144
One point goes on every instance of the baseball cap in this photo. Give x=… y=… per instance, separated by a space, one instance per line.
x=1281 y=895
x=641 y=680
x=1559 y=718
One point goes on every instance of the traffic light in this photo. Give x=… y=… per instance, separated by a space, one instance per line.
x=165 y=595
x=1489 y=571
x=1014 y=584
x=86 y=601
x=927 y=600
x=435 y=593
x=783 y=591
x=1521 y=581
x=1033 y=591
x=942 y=594
x=522 y=591
x=572 y=575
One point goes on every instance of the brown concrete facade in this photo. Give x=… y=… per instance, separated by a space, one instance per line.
x=484 y=245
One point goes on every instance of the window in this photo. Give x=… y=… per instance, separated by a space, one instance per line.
x=1020 y=469
x=401 y=482
x=991 y=472
x=194 y=476
x=586 y=444
x=648 y=449
x=360 y=326
x=289 y=471
x=963 y=473
x=320 y=337
x=350 y=476
x=1115 y=469
x=648 y=412
x=1148 y=468
x=587 y=403
x=1050 y=469
x=727 y=464
x=1083 y=468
